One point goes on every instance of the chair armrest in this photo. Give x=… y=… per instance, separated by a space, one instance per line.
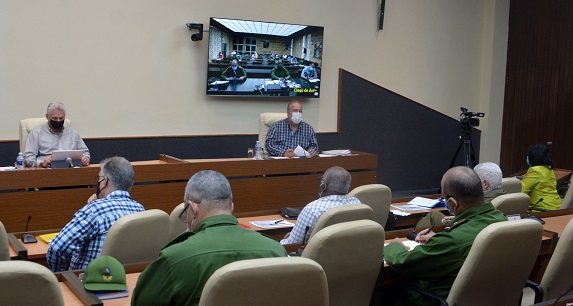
x=427 y=295
x=537 y=289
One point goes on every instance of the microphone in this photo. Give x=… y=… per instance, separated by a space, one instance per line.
x=570 y=288
x=69 y=161
x=536 y=203
x=302 y=245
x=26 y=237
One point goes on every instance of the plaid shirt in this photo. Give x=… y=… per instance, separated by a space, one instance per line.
x=280 y=138
x=82 y=238
x=310 y=214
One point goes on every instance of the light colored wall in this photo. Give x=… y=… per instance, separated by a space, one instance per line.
x=129 y=68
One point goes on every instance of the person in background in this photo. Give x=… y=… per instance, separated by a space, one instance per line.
x=53 y=136
x=214 y=239
x=81 y=240
x=309 y=72
x=285 y=135
x=280 y=72
x=234 y=72
x=539 y=182
x=436 y=262
x=490 y=175
x=334 y=187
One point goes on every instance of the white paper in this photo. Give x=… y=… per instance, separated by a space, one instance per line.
x=424 y=202
x=300 y=152
x=336 y=152
x=399 y=212
x=409 y=207
x=272 y=223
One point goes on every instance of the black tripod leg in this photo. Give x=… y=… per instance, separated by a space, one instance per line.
x=456 y=155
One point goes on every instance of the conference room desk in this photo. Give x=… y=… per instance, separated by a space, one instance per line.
x=561 y=175
x=260 y=187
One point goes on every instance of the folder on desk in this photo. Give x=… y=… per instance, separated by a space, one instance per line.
x=426 y=203
x=47 y=238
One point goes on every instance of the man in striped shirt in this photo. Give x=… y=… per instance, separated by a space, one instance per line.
x=81 y=240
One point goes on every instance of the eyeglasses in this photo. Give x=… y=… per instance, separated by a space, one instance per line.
x=183 y=214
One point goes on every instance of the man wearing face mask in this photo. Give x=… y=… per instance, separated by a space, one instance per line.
x=52 y=136
x=334 y=187
x=214 y=239
x=234 y=72
x=309 y=72
x=280 y=72
x=437 y=261
x=81 y=240
x=285 y=135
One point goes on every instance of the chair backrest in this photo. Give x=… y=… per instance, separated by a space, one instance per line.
x=28 y=125
x=567 y=201
x=266 y=281
x=351 y=255
x=176 y=227
x=511 y=184
x=341 y=214
x=4 y=247
x=266 y=120
x=512 y=203
x=558 y=276
x=28 y=283
x=499 y=263
x=378 y=197
x=137 y=237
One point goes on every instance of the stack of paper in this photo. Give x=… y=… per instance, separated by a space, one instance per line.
x=272 y=223
x=419 y=203
x=336 y=152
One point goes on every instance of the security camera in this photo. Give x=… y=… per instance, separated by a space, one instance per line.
x=195 y=26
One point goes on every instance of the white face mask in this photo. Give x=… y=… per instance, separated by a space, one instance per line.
x=296 y=118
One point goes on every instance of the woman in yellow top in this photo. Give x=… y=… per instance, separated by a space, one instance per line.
x=539 y=181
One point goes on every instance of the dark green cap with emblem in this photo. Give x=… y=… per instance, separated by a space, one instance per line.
x=104 y=273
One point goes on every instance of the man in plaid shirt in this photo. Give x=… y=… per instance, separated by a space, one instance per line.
x=285 y=135
x=81 y=240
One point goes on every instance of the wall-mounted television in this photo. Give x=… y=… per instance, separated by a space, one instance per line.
x=260 y=58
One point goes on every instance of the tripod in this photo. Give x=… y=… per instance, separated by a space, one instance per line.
x=466 y=142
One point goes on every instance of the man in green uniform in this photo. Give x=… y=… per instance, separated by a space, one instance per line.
x=280 y=72
x=438 y=260
x=214 y=239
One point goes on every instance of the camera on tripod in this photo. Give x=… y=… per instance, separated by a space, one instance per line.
x=467 y=120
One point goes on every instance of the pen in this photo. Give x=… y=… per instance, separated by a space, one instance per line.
x=279 y=221
x=429 y=230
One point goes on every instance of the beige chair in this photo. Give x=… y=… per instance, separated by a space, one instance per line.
x=28 y=125
x=497 y=277
x=512 y=203
x=137 y=237
x=511 y=184
x=351 y=255
x=4 y=247
x=176 y=227
x=267 y=281
x=341 y=214
x=28 y=283
x=378 y=197
x=558 y=276
x=266 y=120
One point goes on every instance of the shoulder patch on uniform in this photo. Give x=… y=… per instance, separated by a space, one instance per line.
x=457 y=223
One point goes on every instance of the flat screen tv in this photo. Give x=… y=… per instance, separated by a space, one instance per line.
x=267 y=59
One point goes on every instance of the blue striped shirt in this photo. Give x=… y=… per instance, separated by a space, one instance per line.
x=280 y=138
x=82 y=238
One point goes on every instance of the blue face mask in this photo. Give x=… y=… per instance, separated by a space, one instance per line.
x=234 y=67
x=450 y=210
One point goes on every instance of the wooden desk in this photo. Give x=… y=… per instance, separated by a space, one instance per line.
x=260 y=187
x=561 y=175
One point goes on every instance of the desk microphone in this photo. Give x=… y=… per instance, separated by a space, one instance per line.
x=532 y=208
x=536 y=203
x=569 y=289
x=302 y=245
x=69 y=161
x=26 y=237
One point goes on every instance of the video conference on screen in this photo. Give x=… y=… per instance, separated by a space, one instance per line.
x=258 y=47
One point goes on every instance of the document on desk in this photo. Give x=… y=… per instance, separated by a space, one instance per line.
x=272 y=223
x=300 y=152
x=335 y=153
x=426 y=203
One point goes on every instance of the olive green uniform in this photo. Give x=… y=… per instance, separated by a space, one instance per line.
x=437 y=263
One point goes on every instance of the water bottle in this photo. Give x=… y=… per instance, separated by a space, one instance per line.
x=20 y=161
x=258 y=151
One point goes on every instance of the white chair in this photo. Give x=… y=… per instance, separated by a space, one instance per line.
x=267 y=281
x=176 y=227
x=4 y=247
x=28 y=283
x=266 y=120
x=28 y=125
x=378 y=197
x=351 y=255
x=567 y=201
x=341 y=214
x=137 y=237
x=512 y=203
x=511 y=184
